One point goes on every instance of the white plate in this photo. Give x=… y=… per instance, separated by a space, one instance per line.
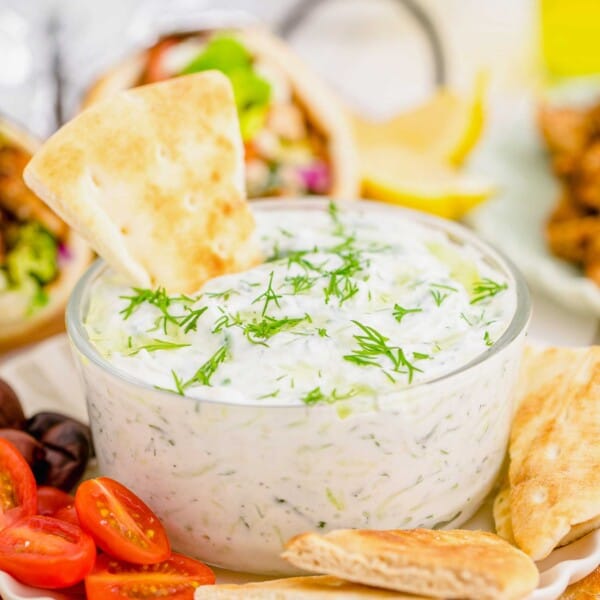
x=512 y=155
x=45 y=379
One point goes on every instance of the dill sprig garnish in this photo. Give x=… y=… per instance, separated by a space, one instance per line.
x=300 y=283
x=163 y=302
x=342 y=287
x=486 y=288
x=258 y=331
x=373 y=346
x=399 y=312
x=203 y=375
x=269 y=295
x=437 y=292
x=225 y=321
x=189 y=322
x=157 y=344
x=334 y=212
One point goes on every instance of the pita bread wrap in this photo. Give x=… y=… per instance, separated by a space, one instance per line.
x=443 y=564
x=152 y=177
x=552 y=495
x=31 y=308
x=298 y=94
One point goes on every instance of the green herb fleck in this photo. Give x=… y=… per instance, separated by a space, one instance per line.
x=314 y=396
x=487 y=339
x=203 y=375
x=399 y=312
x=257 y=332
x=486 y=288
x=373 y=347
x=156 y=345
x=224 y=295
x=268 y=295
x=300 y=283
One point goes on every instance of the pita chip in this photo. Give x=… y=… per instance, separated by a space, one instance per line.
x=442 y=564
x=298 y=588
x=153 y=179
x=554 y=471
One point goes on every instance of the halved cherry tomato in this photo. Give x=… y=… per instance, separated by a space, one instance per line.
x=154 y=67
x=51 y=499
x=68 y=514
x=45 y=552
x=18 y=494
x=120 y=522
x=175 y=579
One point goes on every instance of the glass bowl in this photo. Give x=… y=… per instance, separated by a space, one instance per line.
x=233 y=482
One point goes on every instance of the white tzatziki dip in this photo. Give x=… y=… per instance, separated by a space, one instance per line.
x=350 y=380
x=346 y=304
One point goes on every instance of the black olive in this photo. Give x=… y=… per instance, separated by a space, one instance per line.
x=42 y=422
x=11 y=412
x=64 y=470
x=68 y=449
x=31 y=449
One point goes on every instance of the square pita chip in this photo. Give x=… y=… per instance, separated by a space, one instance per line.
x=442 y=564
x=552 y=495
x=153 y=178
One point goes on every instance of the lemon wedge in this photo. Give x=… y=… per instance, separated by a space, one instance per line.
x=398 y=175
x=447 y=127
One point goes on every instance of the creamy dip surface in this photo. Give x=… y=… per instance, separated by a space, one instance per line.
x=349 y=303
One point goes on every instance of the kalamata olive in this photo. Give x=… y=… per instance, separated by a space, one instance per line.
x=42 y=422
x=11 y=412
x=64 y=470
x=68 y=450
x=32 y=450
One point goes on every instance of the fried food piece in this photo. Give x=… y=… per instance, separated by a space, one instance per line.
x=574 y=239
x=566 y=132
x=15 y=196
x=586 y=177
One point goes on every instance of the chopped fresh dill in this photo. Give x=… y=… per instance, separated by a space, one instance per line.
x=224 y=295
x=399 y=312
x=488 y=339
x=178 y=383
x=322 y=332
x=373 y=346
x=340 y=286
x=271 y=395
x=314 y=396
x=466 y=319
x=298 y=257
x=438 y=297
x=189 y=322
x=334 y=212
x=225 y=321
x=286 y=232
x=300 y=283
x=420 y=356
x=156 y=345
x=203 y=375
x=159 y=299
x=258 y=331
x=268 y=295
x=486 y=288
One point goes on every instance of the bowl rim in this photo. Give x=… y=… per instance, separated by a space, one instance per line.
x=456 y=232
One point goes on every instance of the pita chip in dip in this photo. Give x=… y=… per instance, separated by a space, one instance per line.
x=153 y=179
